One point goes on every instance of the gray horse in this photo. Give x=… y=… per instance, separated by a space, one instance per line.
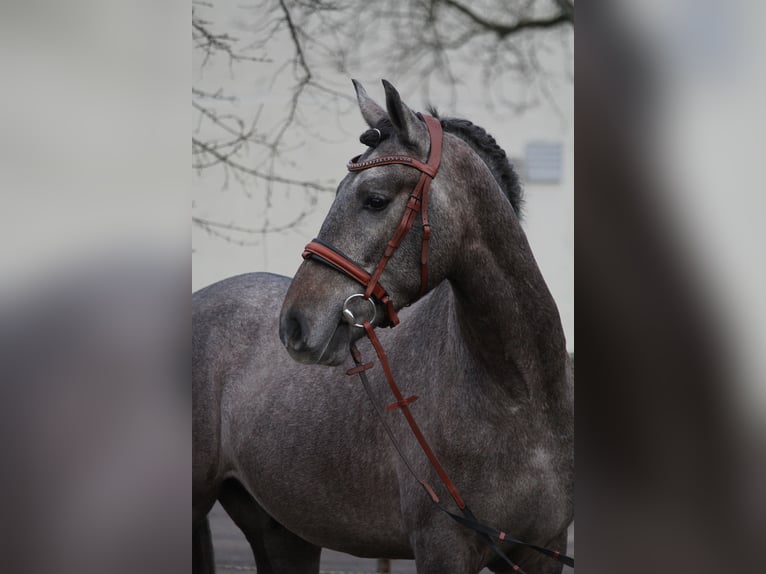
x=290 y=445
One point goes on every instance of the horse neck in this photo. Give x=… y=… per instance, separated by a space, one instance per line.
x=508 y=321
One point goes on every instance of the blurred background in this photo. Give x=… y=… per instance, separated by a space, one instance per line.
x=95 y=220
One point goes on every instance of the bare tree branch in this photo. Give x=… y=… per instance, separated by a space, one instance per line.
x=566 y=7
x=423 y=42
x=566 y=16
x=234 y=233
x=226 y=159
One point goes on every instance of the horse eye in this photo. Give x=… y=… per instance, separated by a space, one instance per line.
x=376 y=203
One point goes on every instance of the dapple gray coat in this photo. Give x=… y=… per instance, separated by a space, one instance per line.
x=290 y=445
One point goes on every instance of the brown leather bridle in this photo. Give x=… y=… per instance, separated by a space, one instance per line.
x=417 y=202
x=329 y=255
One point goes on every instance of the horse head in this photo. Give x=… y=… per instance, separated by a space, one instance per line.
x=370 y=205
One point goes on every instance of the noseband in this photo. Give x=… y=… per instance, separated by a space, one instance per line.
x=417 y=202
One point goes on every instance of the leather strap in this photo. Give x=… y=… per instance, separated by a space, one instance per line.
x=355 y=165
x=467 y=519
x=400 y=400
x=417 y=203
x=330 y=256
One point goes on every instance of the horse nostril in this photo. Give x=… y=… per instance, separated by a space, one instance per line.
x=293 y=329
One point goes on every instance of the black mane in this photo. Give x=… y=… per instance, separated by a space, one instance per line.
x=492 y=154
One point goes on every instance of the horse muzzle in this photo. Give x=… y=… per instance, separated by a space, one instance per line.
x=313 y=344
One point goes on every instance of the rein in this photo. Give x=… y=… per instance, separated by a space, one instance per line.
x=333 y=257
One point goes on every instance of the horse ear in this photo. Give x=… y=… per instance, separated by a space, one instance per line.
x=407 y=124
x=371 y=112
